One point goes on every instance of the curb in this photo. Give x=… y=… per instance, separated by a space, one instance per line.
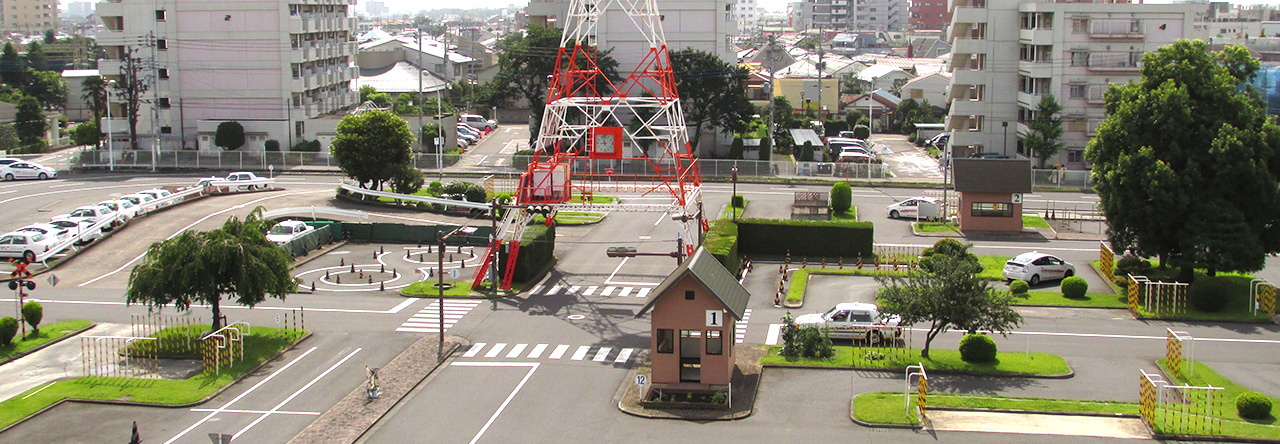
x=1027 y=412
x=872 y=425
x=1068 y=375
x=1091 y=307
x=69 y=335
x=412 y=388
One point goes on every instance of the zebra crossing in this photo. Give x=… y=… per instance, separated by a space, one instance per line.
x=427 y=320
x=617 y=291
x=740 y=328
x=593 y=353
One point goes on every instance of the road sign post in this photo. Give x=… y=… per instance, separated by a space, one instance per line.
x=641 y=380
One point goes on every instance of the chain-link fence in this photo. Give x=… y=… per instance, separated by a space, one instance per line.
x=231 y=160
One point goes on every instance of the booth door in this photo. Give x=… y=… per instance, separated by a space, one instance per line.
x=691 y=356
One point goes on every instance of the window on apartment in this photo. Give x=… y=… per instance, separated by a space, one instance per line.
x=162 y=44
x=163 y=73
x=299 y=128
x=1076 y=125
x=1075 y=156
x=975 y=123
x=1080 y=25
x=1079 y=58
x=991 y=209
x=665 y=341
x=1078 y=90
x=715 y=344
x=159 y=15
x=164 y=102
x=166 y=130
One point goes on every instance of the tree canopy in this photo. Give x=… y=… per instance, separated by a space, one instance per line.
x=526 y=61
x=947 y=293
x=711 y=92
x=203 y=267
x=1044 y=140
x=372 y=146
x=229 y=135
x=31 y=126
x=1185 y=164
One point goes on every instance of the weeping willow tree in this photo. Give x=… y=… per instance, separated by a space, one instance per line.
x=235 y=262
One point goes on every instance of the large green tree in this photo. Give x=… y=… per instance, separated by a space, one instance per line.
x=31 y=126
x=947 y=293
x=371 y=147
x=1185 y=164
x=13 y=70
x=529 y=58
x=95 y=95
x=1044 y=140
x=229 y=135
x=235 y=262
x=711 y=92
x=49 y=88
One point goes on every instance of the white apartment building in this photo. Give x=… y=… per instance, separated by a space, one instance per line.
x=282 y=68
x=707 y=25
x=1072 y=50
x=748 y=14
x=854 y=15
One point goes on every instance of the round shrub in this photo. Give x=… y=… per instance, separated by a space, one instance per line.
x=977 y=348
x=33 y=313
x=737 y=201
x=8 y=328
x=1019 y=288
x=271 y=145
x=1074 y=287
x=1253 y=405
x=841 y=197
x=1208 y=294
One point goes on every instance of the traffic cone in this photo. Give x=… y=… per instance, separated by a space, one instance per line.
x=777 y=299
x=382 y=287
x=841 y=262
x=353 y=268
x=382 y=250
x=339 y=279
x=370 y=279
x=384 y=268
x=313 y=286
x=326 y=274
x=342 y=262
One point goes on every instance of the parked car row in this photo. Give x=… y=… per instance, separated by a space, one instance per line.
x=240 y=181
x=14 y=169
x=81 y=226
x=847 y=149
x=471 y=128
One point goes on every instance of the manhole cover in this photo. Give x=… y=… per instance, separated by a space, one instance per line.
x=576 y=317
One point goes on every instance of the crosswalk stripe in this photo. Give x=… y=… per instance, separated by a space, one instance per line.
x=608 y=291
x=580 y=353
x=515 y=351
x=775 y=330
x=535 y=290
x=590 y=291
x=559 y=351
x=432 y=325
x=623 y=356
x=417 y=330
x=602 y=353
x=537 y=351
x=475 y=348
x=497 y=348
x=643 y=292
x=625 y=291
x=574 y=289
x=554 y=290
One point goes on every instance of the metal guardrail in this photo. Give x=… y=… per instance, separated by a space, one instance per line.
x=178 y=197
x=314 y=211
x=409 y=197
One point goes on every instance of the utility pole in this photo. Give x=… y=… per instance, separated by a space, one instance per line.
x=153 y=81
x=444 y=56
x=420 y=69
x=821 y=70
x=772 y=56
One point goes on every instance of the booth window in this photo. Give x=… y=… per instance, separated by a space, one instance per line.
x=990 y=209
x=715 y=345
x=688 y=295
x=666 y=340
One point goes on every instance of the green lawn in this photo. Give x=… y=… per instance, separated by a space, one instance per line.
x=1232 y=424
x=573 y=218
x=851 y=215
x=730 y=210
x=48 y=333
x=461 y=289
x=262 y=344
x=992 y=267
x=1040 y=364
x=887 y=407
x=1055 y=298
x=936 y=227
x=595 y=199
x=1034 y=222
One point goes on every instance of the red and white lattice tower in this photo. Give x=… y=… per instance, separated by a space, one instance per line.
x=619 y=138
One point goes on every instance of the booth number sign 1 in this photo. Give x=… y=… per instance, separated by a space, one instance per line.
x=715 y=318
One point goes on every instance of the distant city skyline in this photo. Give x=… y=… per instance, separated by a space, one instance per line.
x=403 y=6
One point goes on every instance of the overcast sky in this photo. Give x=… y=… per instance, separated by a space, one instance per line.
x=769 y=5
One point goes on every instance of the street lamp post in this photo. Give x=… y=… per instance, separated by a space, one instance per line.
x=733 y=200
x=440 y=282
x=111 y=150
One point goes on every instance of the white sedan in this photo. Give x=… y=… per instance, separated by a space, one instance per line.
x=26 y=170
x=288 y=230
x=58 y=233
x=1034 y=267
x=77 y=227
x=26 y=245
x=137 y=200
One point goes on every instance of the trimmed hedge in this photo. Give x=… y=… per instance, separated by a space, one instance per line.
x=537 y=252
x=1074 y=287
x=722 y=242
x=811 y=238
x=1208 y=294
x=1019 y=288
x=977 y=348
x=1253 y=405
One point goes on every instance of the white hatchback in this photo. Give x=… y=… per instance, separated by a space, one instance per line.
x=1035 y=267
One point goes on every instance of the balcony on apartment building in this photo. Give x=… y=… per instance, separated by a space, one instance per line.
x=1029 y=99
x=1116 y=29
x=1115 y=61
x=956 y=5
x=1041 y=68
x=111 y=8
x=1036 y=35
x=969 y=45
x=968 y=107
x=320 y=22
x=970 y=14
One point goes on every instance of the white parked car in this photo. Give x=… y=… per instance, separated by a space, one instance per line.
x=125 y=209
x=25 y=244
x=77 y=227
x=478 y=122
x=26 y=170
x=244 y=177
x=1035 y=267
x=58 y=233
x=92 y=214
x=207 y=181
x=157 y=193
x=288 y=230
x=853 y=320
x=137 y=200
x=8 y=160
x=916 y=207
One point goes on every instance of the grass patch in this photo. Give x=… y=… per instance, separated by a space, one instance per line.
x=1233 y=425
x=887 y=407
x=1039 y=364
x=572 y=218
x=262 y=344
x=48 y=333
x=731 y=212
x=992 y=267
x=936 y=227
x=850 y=216
x=1056 y=299
x=799 y=281
x=1237 y=308
x=460 y=289
x=595 y=199
x=1034 y=222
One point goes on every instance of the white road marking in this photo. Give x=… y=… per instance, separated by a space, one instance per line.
x=554 y=290
x=497 y=348
x=590 y=290
x=623 y=356
x=475 y=348
x=38 y=391
x=242 y=395
x=295 y=394
x=532 y=367
x=625 y=291
x=24 y=196
x=558 y=352
x=574 y=289
x=643 y=292
x=615 y=270
x=775 y=330
x=537 y=351
x=259 y=412
x=660 y=218
x=515 y=351
x=608 y=291
x=535 y=290
x=602 y=353
x=580 y=353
